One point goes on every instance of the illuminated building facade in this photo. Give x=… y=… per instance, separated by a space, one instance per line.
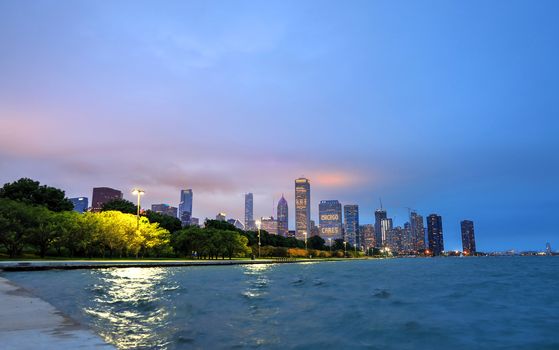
x=435 y=234
x=468 y=237
x=380 y=214
x=164 y=209
x=80 y=204
x=185 y=206
x=385 y=227
x=368 y=233
x=302 y=208
x=283 y=217
x=351 y=225
x=249 y=212
x=102 y=195
x=221 y=216
x=269 y=225
x=330 y=219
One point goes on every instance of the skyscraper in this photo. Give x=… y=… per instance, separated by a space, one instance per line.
x=435 y=234
x=102 y=195
x=185 y=206
x=394 y=238
x=302 y=208
x=468 y=237
x=249 y=212
x=368 y=233
x=417 y=231
x=380 y=214
x=315 y=231
x=330 y=219
x=283 y=222
x=385 y=227
x=351 y=224
x=80 y=204
x=269 y=224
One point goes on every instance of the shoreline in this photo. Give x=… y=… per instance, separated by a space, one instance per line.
x=30 y=322
x=43 y=265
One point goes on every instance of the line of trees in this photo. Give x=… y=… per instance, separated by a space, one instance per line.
x=41 y=219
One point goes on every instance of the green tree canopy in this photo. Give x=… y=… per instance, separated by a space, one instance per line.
x=170 y=223
x=316 y=242
x=121 y=205
x=32 y=192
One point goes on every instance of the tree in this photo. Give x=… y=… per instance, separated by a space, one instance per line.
x=152 y=236
x=121 y=205
x=15 y=220
x=316 y=242
x=167 y=222
x=44 y=230
x=31 y=192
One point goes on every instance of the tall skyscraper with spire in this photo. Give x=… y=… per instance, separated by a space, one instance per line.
x=249 y=212
x=283 y=217
x=302 y=208
x=185 y=206
x=435 y=234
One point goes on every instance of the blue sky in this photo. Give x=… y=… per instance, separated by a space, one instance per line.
x=443 y=106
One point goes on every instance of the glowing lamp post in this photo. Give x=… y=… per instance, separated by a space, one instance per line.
x=138 y=193
x=330 y=243
x=305 y=234
x=345 y=249
x=257 y=222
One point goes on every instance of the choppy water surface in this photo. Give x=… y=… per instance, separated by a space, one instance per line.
x=447 y=303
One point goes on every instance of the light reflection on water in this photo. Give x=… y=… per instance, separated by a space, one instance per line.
x=128 y=301
x=482 y=303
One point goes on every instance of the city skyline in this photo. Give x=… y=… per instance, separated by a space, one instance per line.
x=406 y=102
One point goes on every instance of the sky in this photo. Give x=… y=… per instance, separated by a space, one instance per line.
x=447 y=107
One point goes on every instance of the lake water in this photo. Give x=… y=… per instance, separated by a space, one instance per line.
x=439 y=303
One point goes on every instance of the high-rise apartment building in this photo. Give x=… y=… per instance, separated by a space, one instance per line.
x=368 y=233
x=103 y=195
x=185 y=207
x=351 y=225
x=249 y=212
x=302 y=208
x=385 y=227
x=330 y=219
x=283 y=217
x=80 y=204
x=435 y=234
x=468 y=237
x=380 y=214
x=417 y=231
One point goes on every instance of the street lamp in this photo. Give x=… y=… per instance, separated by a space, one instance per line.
x=257 y=222
x=330 y=243
x=139 y=193
x=345 y=249
x=305 y=234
